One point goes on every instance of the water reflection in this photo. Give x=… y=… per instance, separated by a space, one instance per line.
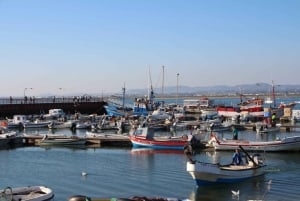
x=254 y=189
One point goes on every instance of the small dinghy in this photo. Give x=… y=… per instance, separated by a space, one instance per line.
x=27 y=193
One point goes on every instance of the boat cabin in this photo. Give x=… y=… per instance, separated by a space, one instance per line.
x=19 y=119
x=191 y=106
x=56 y=113
x=144 y=133
x=205 y=102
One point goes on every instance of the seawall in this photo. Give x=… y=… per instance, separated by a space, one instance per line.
x=36 y=106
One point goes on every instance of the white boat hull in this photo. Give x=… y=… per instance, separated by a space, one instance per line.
x=29 y=193
x=205 y=173
x=286 y=144
x=36 y=124
x=63 y=142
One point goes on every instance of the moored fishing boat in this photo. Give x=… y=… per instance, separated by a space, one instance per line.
x=27 y=193
x=249 y=108
x=284 y=144
x=68 y=141
x=144 y=137
x=59 y=124
x=266 y=128
x=90 y=134
x=8 y=137
x=36 y=124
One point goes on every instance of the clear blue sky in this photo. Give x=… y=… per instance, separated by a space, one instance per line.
x=95 y=46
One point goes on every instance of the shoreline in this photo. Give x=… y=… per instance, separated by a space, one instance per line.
x=224 y=96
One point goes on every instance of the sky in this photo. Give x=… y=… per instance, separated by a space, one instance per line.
x=98 y=46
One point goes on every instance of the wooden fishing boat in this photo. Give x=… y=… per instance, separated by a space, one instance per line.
x=8 y=137
x=267 y=128
x=144 y=137
x=90 y=134
x=285 y=144
x=68 y=141
x=36 y=124
x=58 y=124
x=207 y=173
x=252 y=108
x=28 y=193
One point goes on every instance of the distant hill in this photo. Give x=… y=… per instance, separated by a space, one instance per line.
x=257 y=88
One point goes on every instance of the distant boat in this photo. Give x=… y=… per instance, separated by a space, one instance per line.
x=8 y=137
x=58 y=124
x=54 y=114
x=83 y=125
x=160 y=114
x=288 y=105
x=36 y=124
x=206 y=173
x=62 y=141
x=191 y=106
x=27 y=193
x=252 y=108
x=90 y=134
x=269 y=100
x=112 y=110
x=266 y=128
x=143 y=106
x=17 y=121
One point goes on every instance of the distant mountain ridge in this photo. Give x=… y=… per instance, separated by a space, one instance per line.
x=221 y=89
x=257 y=88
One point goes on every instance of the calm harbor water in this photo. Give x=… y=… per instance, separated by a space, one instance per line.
x=116 y=172
x=125 y=172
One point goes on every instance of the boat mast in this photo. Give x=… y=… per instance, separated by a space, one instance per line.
x=150 y=90
x=163 y=80
x=123 y=97
x=273 y=93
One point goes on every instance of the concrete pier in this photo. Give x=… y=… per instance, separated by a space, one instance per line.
x=37 y=106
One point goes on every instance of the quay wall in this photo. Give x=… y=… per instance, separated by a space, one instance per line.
x=71 y=105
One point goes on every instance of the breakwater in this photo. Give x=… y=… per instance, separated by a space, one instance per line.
x=29 y=106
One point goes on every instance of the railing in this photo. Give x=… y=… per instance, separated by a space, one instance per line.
x=38 y=100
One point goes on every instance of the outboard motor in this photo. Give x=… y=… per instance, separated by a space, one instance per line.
x=258 y=159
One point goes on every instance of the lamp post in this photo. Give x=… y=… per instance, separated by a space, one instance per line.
x=25 y=91
x=25 y=97
x=62 y=97
x=177 y=89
